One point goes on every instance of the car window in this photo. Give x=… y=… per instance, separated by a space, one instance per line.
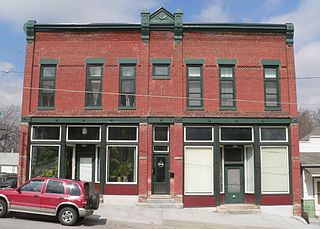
x=54 y=186
x=32 y=186
x=74 y=189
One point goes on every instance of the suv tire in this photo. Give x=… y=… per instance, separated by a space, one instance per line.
x=95 y=200
x=3 y=207
x=68 y=216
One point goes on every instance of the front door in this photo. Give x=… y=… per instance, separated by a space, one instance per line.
x=85 y=165
x=160 y=174
x=234 y=188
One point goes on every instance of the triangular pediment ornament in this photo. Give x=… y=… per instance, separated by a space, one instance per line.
x=162 y=16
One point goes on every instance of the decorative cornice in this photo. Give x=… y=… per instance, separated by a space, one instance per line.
x=289 y=33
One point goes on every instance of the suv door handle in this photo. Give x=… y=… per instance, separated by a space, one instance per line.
x=61 y=198
x=36 y=195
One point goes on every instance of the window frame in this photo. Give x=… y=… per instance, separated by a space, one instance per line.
x=53 y=91
x=184 y=168
x=189 y=79
x=185 y=134
x=67 y=133
x=270 y=127
x=135 y=165
x=228 y=79
x=245 y=169
x=45 y=140
x=121 y=78
x=153 y=134
x=122 y=141
x=89 y=78
x=161 y=77
x=252 y=133
x=31 y=154
x=274 y=80
x=97 y=162
x=51 y=193
x=288 y=174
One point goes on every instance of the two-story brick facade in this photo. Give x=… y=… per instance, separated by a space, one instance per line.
x=202 y=113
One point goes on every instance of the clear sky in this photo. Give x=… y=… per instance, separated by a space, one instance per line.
x=303 y=13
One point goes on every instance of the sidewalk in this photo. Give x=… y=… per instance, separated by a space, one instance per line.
x=142 y=217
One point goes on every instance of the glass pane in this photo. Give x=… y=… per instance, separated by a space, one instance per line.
x=226 y=72
x=274 y=134
x=161 y=134
x=44 y=161
x=55 y=187
x=272 y=100
x=46 y=99
x=194 y=102
x=85 y=169
x=69 y=154
x=122 y=133
x=161 y=70
x=249 y=169
x=83 y=133
x=161 y=148
x=98 y=165
x=94 y=99
x=160 y=167
x=127 y=100
x=194 y=71
x=32 y=186
x=48 y=72
x=227 y=86
x=48 y=84
x=270 y=73
x=271 y=87
x=95 y=71
x=127 y=71
x=233 y=154
x=195 y=86
x=233 y=180
x=199 y=133
x=227 y=100
x=127 y=86
x=74 y=190
x=236 y=134
x=121 y=164
x=46 y=133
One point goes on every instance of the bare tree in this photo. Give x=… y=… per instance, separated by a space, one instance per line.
x=308 y=121
x=9 y=128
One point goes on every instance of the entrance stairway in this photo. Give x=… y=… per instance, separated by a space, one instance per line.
x=161 y=201
x=239 y=209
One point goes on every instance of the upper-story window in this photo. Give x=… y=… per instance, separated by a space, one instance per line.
x=227 y=87
x=271 y=84
x=161 y=71
x=47 y=86
x=194 y=86
x=94 y=86
x=127 y=86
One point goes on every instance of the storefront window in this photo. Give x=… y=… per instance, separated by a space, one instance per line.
x=44 y=161
x=51 y=133
x=236 y=134
x=122 y=165
x=273 y=134
x=122 y=133
x=83 y=133
x=199 y=133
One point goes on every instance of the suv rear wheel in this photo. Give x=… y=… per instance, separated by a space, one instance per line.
x=68 y=216
x=3 y=207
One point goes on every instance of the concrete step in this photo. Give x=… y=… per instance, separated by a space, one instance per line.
x=239 y=209
x=161 y=201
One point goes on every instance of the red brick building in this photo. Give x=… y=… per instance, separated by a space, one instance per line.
x=204 y=114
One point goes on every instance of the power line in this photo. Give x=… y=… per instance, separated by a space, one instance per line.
x=150 y=96
x=11 y=49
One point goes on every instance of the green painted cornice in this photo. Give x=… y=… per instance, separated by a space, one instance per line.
x=136 y=120
x=145 y=25
x=226 y=61
x=29 y=29
x=161 y=60
x=270 y=62
x=289 y=34
x=96 y=60
x=49 y=61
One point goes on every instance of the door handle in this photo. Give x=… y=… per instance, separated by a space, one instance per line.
x=36 y=195
x=61 y=198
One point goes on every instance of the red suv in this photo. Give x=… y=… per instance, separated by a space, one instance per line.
x=69 y=200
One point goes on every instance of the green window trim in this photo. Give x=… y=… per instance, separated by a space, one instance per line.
x=270 y=62
x=49 y=61
x=160 y=77
x=224 y=107
x=95 y=60
x=128 y=61
x=195 y=79
x=275 y=81
x=89 y=91
x=226 y=61
x=130 y=97
x=194 y=61
x=46 y=99
x=161 y=60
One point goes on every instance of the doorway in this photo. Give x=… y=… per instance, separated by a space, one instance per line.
x=160 y=174
x=233 y=174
